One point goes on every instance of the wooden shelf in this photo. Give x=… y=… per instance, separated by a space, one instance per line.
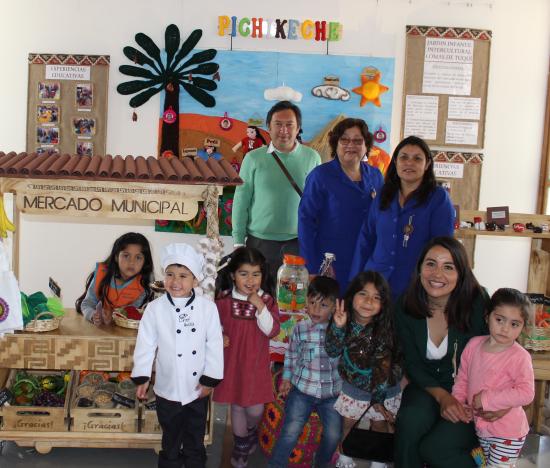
x=537 y=220
x=508 y=232
x=43 y=442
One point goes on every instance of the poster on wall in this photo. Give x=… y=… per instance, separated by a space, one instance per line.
x=67 y=104
x=446 y=75
x=325 y=87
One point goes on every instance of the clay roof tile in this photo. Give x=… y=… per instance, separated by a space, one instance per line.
x=129 y=168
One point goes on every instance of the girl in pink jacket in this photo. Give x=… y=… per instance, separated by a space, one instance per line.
x=497 y=373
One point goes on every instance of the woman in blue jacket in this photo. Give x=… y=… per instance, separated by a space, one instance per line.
x=337 y=197
x=410 y=211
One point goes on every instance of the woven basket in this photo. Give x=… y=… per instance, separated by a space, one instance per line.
x=123 y=321
x=43 y=325
x=536 y=338
x=157 y=287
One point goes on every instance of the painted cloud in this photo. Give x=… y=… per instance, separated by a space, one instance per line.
x=282 y=93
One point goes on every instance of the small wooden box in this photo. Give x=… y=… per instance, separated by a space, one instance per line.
x=36 y=418
x=118 y=419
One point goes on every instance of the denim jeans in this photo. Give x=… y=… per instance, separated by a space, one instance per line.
x=298 y=407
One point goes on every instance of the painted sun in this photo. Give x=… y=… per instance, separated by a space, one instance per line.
x=371 y=88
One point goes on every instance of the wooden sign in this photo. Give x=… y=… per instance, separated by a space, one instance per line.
x=107 y=199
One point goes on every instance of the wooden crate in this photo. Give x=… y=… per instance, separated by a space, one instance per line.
x=149 y=423
x=102 y=419
x=36 y=418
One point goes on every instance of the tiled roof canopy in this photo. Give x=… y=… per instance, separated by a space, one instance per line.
x=129 y=169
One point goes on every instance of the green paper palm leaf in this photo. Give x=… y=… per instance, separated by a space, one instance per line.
x=187 y=47
x=198 y=94
x=140 y=72
x=158 y=74
x=139 y=57
x=147 y=44
x=144 y=96
x=172 y=42
x=204 y=69
x=131 y=87
x=203 y=83
x=199 y=57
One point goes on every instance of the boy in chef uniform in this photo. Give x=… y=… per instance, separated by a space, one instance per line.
x=184 y=331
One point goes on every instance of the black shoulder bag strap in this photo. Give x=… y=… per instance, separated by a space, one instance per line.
x=286 y=173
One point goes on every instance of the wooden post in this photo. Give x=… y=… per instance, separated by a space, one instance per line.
x=539 y=263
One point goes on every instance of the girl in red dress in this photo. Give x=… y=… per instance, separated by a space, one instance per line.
x=249 y=318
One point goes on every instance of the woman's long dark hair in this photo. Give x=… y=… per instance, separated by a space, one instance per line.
x=233 y=261
x=392 y=182
x=383 y=326
x=130 y=238
x=462 y=298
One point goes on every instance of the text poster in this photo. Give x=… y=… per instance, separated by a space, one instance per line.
x=421 y=116
x=448 y=66
x=464 y=108
x=461 y=133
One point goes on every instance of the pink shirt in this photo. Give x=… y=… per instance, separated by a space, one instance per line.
x=506 y=380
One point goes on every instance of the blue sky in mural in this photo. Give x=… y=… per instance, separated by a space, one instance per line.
x=246 y=75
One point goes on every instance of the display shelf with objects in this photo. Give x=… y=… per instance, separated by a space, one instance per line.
x=101 y=186
x=538 y=282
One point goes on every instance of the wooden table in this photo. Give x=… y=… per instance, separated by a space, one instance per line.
x=77 y=344
x=541 y=366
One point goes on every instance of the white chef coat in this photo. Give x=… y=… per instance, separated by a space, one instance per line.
x=187 y=338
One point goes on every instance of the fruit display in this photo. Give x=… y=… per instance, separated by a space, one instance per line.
x=5 y=224
x=38 y=306
x=39 y=390
x=131 y=312
x=96 y=389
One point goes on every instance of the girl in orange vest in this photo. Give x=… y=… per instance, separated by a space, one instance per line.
x=121 y=280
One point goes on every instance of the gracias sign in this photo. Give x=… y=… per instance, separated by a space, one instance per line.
x=263 y=28
x=108 y=199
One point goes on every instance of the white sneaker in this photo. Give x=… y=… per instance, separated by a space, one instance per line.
x=345 y=462
x=375 y=464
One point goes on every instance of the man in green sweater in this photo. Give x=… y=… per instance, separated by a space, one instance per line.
x=265 y=207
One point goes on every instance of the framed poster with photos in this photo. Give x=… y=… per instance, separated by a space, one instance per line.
x=67 y=104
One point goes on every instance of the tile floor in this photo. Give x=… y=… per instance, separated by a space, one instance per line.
x=536 y=454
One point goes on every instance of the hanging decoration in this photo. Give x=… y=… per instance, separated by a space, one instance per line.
x=370 y=89
x=169 y=116
x=330 y=89
x=225 y=122
x=170 y=73
x=380 y=135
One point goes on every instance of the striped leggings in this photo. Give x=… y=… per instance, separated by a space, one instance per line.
x=500 y=452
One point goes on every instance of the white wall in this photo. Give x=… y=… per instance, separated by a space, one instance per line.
x=67 y=250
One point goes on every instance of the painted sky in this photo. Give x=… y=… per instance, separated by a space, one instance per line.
x=246 y=75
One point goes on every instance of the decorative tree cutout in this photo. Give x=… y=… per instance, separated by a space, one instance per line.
x=169 y=75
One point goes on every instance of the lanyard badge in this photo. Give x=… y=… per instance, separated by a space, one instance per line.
x=407 y=231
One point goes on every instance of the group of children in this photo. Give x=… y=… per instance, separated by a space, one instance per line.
x=343 y=363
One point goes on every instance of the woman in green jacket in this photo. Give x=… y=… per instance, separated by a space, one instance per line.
x=441 y=310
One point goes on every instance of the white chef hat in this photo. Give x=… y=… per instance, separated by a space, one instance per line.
x=183 y=254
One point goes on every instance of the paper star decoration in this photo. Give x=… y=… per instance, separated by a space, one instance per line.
x=370 y=89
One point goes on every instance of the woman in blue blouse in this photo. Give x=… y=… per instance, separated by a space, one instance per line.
x=410 y=211
x=337 y=197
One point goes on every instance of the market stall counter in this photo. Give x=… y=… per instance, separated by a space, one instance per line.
x=99 y=186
